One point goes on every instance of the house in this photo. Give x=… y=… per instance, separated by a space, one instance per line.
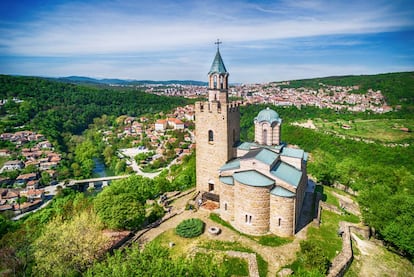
x=5 y=153
x=33 y=194
x=47 y=165
x=175 y=123
x=160 y=125
x=24 y=178
x=10 y=195
x=33 y=184
x=44 y=145
x=12 y=165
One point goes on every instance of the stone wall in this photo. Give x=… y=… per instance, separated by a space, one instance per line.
x=343 y=260
x=282 y=208
x=227 y=202
x=223 y=119
x=251 y=209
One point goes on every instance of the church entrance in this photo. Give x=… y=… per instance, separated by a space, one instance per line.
x=210 y=187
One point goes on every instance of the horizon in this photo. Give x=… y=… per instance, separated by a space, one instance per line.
x=158 y=40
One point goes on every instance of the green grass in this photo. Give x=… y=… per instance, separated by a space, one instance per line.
x=3 y=160
x=326 y=235
x=237 y=266
x=267 y=240
x=382 y=130
x=236 y=246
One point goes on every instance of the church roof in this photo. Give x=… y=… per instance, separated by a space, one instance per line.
x=294 y=153
x=253 y=178
x=279 y=191
x=233 y=164
x=287 y=173
x=218 y=65
x=268 y=115
x=254 y=145
x=227 y=180
x=263 y=155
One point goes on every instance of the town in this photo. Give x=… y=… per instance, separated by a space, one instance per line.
x=275 y=93
x=31 y=167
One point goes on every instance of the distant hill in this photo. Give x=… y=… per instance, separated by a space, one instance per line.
x=398 y=88
x=87 y=80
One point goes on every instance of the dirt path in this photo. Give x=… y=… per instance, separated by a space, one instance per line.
x=374 y=260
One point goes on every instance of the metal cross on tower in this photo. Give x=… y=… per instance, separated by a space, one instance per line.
x=218 y=42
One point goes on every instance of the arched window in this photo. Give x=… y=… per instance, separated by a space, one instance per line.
x=265 y=136
x=215 y=81
x=210 y=135
x=221 y=82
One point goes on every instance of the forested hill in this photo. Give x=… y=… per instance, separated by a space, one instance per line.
x=398 y=88
x=53 y=107
x=87 y=80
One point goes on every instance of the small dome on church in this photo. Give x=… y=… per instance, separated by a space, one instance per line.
x=268 y=115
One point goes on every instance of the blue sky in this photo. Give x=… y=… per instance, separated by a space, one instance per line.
x=163 y=40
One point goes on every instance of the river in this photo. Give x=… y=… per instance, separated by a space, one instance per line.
x=100 y=170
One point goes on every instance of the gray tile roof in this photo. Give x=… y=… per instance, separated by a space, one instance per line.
x=218 y=65
x=279 y=191
x=253 y=178
x=233 y=164
x=287 y=173
x=228 y=180
x=293 y=152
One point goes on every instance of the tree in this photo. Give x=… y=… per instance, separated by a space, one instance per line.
x=312 y=257
x=156 y=260
x=69 y=247
x=121 y=205
x=45 y=179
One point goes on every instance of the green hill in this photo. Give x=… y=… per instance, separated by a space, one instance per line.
x=398 y=88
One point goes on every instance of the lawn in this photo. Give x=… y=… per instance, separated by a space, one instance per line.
x=381 y=130
x=184 y=246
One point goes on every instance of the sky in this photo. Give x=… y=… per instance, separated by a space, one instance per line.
x=262 y=41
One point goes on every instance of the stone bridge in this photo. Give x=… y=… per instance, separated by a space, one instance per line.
x=94 y=182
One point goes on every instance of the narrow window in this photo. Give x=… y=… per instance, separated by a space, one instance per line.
x=250 y=219
x=225 y=206
x=221 y=82
x=246 y=217
x=265 y=136
x=210 y=187
x=210 y=135
x=279 y=221
x=215 y=81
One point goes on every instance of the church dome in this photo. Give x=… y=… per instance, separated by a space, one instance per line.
x=268 y=115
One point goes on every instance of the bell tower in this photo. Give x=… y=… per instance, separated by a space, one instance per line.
x=217 y=128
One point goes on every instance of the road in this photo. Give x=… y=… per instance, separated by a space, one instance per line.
x=50 y=192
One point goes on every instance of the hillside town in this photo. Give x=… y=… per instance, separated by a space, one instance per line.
x=327 y=96
x=31 y=165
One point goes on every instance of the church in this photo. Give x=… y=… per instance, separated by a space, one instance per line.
x=258 y=186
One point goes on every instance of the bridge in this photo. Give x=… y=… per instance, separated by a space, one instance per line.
x=92 y=182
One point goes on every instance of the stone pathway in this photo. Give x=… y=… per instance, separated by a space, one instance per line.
x=275 y=256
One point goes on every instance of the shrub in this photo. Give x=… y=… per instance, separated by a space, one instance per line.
x=190 y=228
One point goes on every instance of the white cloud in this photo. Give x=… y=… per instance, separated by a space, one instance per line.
x=84 y=29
